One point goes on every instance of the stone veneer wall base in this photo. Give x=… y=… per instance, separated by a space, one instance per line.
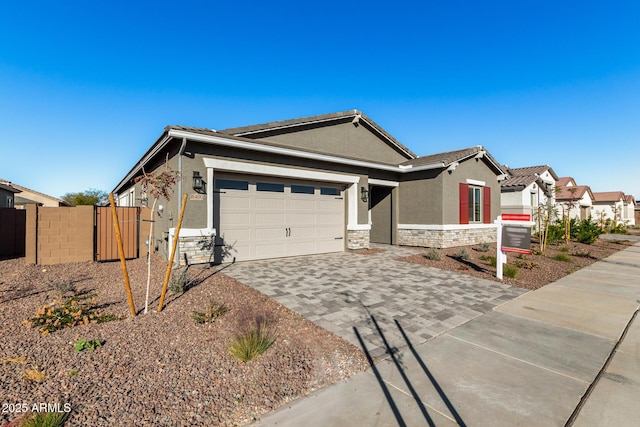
x=443 y=239
x=358 y=239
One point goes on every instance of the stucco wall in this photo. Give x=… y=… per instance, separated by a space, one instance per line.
x=343 y=139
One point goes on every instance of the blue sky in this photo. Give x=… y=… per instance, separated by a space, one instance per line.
x=86 y=88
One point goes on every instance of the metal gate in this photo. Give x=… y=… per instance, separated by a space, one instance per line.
x=106 y=243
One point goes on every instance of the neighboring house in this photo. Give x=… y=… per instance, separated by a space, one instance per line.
x=609 y=205
x=637 y=212
x=528 y=189
x=29 y=196
x=7 y=195
x=628 y=214
x=316 y=184
x=573 y=200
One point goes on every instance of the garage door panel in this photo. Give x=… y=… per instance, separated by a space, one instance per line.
x=270 y=250
x=263 y=218
x=298 y=204
x=270 y=203
x=237 y=201
x=269 y=224
x=300 y=218
x=270 y=233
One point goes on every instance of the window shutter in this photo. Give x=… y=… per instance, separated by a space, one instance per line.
x=487 y=205
x=464 y=203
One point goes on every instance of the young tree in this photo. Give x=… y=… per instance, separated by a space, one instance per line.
x=157 y=184
x=87 y=197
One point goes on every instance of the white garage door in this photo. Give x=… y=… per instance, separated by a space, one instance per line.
x=270 y=218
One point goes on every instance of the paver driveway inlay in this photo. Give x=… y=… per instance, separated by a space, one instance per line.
x=343 y=291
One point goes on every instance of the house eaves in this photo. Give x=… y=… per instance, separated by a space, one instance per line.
x=210 y=137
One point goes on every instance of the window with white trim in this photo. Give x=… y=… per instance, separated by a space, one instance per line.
x=475 y=204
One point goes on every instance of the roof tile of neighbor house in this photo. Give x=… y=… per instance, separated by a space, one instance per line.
x=519 y=181
x=25 y=189
x=265 y=127
x=449 y=157
x=568 y=193
x=630 y=199
x=211 y=132
x=564 y=181
x=608 y=196
x=7 y=187
x=532 y=170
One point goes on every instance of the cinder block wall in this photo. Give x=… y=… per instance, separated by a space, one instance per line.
x=65 y=234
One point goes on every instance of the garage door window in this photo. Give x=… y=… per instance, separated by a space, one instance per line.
x=302 y=189
x=271 y=187
x=231 y=184
x=328 y=191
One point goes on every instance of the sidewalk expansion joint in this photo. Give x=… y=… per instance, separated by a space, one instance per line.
x=592 y=386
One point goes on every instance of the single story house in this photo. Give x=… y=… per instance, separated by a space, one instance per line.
x=572 y=199
x=609 y=205
x=7 y=195
x=312 y=185
x=29 y=196
x=528 y=189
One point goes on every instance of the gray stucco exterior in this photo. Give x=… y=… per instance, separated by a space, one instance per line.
x=408 y=204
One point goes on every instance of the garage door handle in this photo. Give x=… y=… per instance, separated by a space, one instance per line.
x=338 y=238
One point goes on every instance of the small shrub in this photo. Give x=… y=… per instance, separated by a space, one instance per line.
x=520 y=256
x=254 y=336
x=489 y=259
x=64 y=288
x=83 y=344
x=484 y=247
x=510 y=271
x=463 y=254
x=433 y=254
x=524 y=264
x=76 y=310
x=214 y=311
x=564 y=249
x=180 y=281
x=45 y=419
x=562 y=257
x=581 y=254
x=588 y=231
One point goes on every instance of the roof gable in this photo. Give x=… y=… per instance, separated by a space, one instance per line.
x=565 y=181
x=573 y=192
x=449 y=158
x=348 y=133
x=608 y=196
x=533 y=170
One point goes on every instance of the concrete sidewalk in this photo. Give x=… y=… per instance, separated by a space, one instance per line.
x=535 y=360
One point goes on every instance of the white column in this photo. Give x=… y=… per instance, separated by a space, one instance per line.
x=210 y=189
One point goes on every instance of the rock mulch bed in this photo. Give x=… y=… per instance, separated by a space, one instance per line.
x=534 y=270
x=160 y=369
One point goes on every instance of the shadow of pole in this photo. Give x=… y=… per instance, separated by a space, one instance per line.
x=383 y=386
x=393 y=352
x=441 y=392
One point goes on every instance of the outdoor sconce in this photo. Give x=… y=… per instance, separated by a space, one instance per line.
x=364 y=194
x=198 y=183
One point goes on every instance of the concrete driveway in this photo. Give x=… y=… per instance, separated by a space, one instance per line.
x=351 y=294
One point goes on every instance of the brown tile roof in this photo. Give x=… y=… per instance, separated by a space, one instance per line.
x=247 y=131
x=450 y=157
x=608 y=196
x=568 y=193
x=562 y=182
x=630 y=199
x=532 y=170
x=518 y=181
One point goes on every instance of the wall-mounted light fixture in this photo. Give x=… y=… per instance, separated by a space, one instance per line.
x=364 y=194
x=199 y=186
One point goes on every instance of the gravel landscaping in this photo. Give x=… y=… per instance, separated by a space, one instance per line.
x=160 y=369
x=532 y=271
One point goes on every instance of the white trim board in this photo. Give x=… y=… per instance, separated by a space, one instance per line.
x=445 y=227
x=383 y=182
x=284 y=172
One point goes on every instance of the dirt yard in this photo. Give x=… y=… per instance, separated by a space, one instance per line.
x=160 y=369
